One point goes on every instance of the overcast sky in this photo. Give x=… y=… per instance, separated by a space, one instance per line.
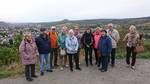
x=55 y=10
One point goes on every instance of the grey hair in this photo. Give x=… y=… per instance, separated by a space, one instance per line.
x=71 y=30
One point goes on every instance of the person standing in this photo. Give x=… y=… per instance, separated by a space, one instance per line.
x=54 y=46
x=104 y=47
x=114 y=35
x=97 y=35
x=44 y=48
x=72 y=49
x=78 y=35
x=28 y=53
x=62 y=48
x=88 y=41
x=131 y=41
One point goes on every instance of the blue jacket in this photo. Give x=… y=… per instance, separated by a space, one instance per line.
x=71 y=45
x=43 y=44
x=105 y=45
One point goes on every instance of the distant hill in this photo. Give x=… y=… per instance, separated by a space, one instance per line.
x=126 y=21
x=141 y=20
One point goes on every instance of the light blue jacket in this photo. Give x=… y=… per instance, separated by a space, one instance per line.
x=71 y=45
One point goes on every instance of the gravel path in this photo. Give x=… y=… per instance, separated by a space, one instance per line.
x=91 y=75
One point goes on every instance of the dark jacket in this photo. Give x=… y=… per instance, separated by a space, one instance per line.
x=43 y=44
x=105 y=45
x=88 y=39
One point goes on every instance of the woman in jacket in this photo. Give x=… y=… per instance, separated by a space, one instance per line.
x=72 y=49
x=62 y=48
x=104 y=47
x=28 y=53
x=97 y=35
x=131 y=41
x=78 y=35
x=88 y=41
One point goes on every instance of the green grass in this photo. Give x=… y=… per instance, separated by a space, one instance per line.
x=145 y=55
x=11 y=71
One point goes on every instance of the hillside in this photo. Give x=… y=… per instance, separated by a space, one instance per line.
x=142 y=20
x=127 y=21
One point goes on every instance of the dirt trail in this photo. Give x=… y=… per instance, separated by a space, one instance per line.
x=91 y=75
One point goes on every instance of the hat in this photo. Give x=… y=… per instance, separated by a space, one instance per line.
x=104 y=31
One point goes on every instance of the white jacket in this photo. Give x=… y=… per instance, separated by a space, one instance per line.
x=114 y=37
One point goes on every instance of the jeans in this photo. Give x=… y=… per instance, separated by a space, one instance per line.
x=130 y=50
x=44 y=58
x=54 y=54
x=88 y=55
x=29 y=70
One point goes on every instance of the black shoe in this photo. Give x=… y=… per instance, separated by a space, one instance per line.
x=96 y=63
x=87 y=65
x=42 y=73
x=56 y=65
x=78 y=68
x=91 y=64
x=100 y=69
x=112 y=65
x=34 y=76
x=29 y=79
x=49 y=70
x=71 y=70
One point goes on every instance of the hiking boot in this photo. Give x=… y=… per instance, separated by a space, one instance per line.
x=34 y=76
x=29 y=79
x=49 y=70
x=78 y=69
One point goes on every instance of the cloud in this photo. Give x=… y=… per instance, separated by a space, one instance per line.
x=53 y=10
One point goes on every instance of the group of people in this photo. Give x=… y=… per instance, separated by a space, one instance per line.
x=56 y=49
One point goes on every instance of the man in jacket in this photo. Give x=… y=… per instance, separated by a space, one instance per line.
x=44 y=48
x=54 y=46
x=114 y=35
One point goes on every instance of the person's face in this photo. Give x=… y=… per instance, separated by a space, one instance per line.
x=53 y=30
x=97 y=32
x=71 y=34
x=88 y=31
x=64 y=30
x=76 y=30
x=103 y=33
x=110 y=27
x=29 y=37
x=44 y=32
